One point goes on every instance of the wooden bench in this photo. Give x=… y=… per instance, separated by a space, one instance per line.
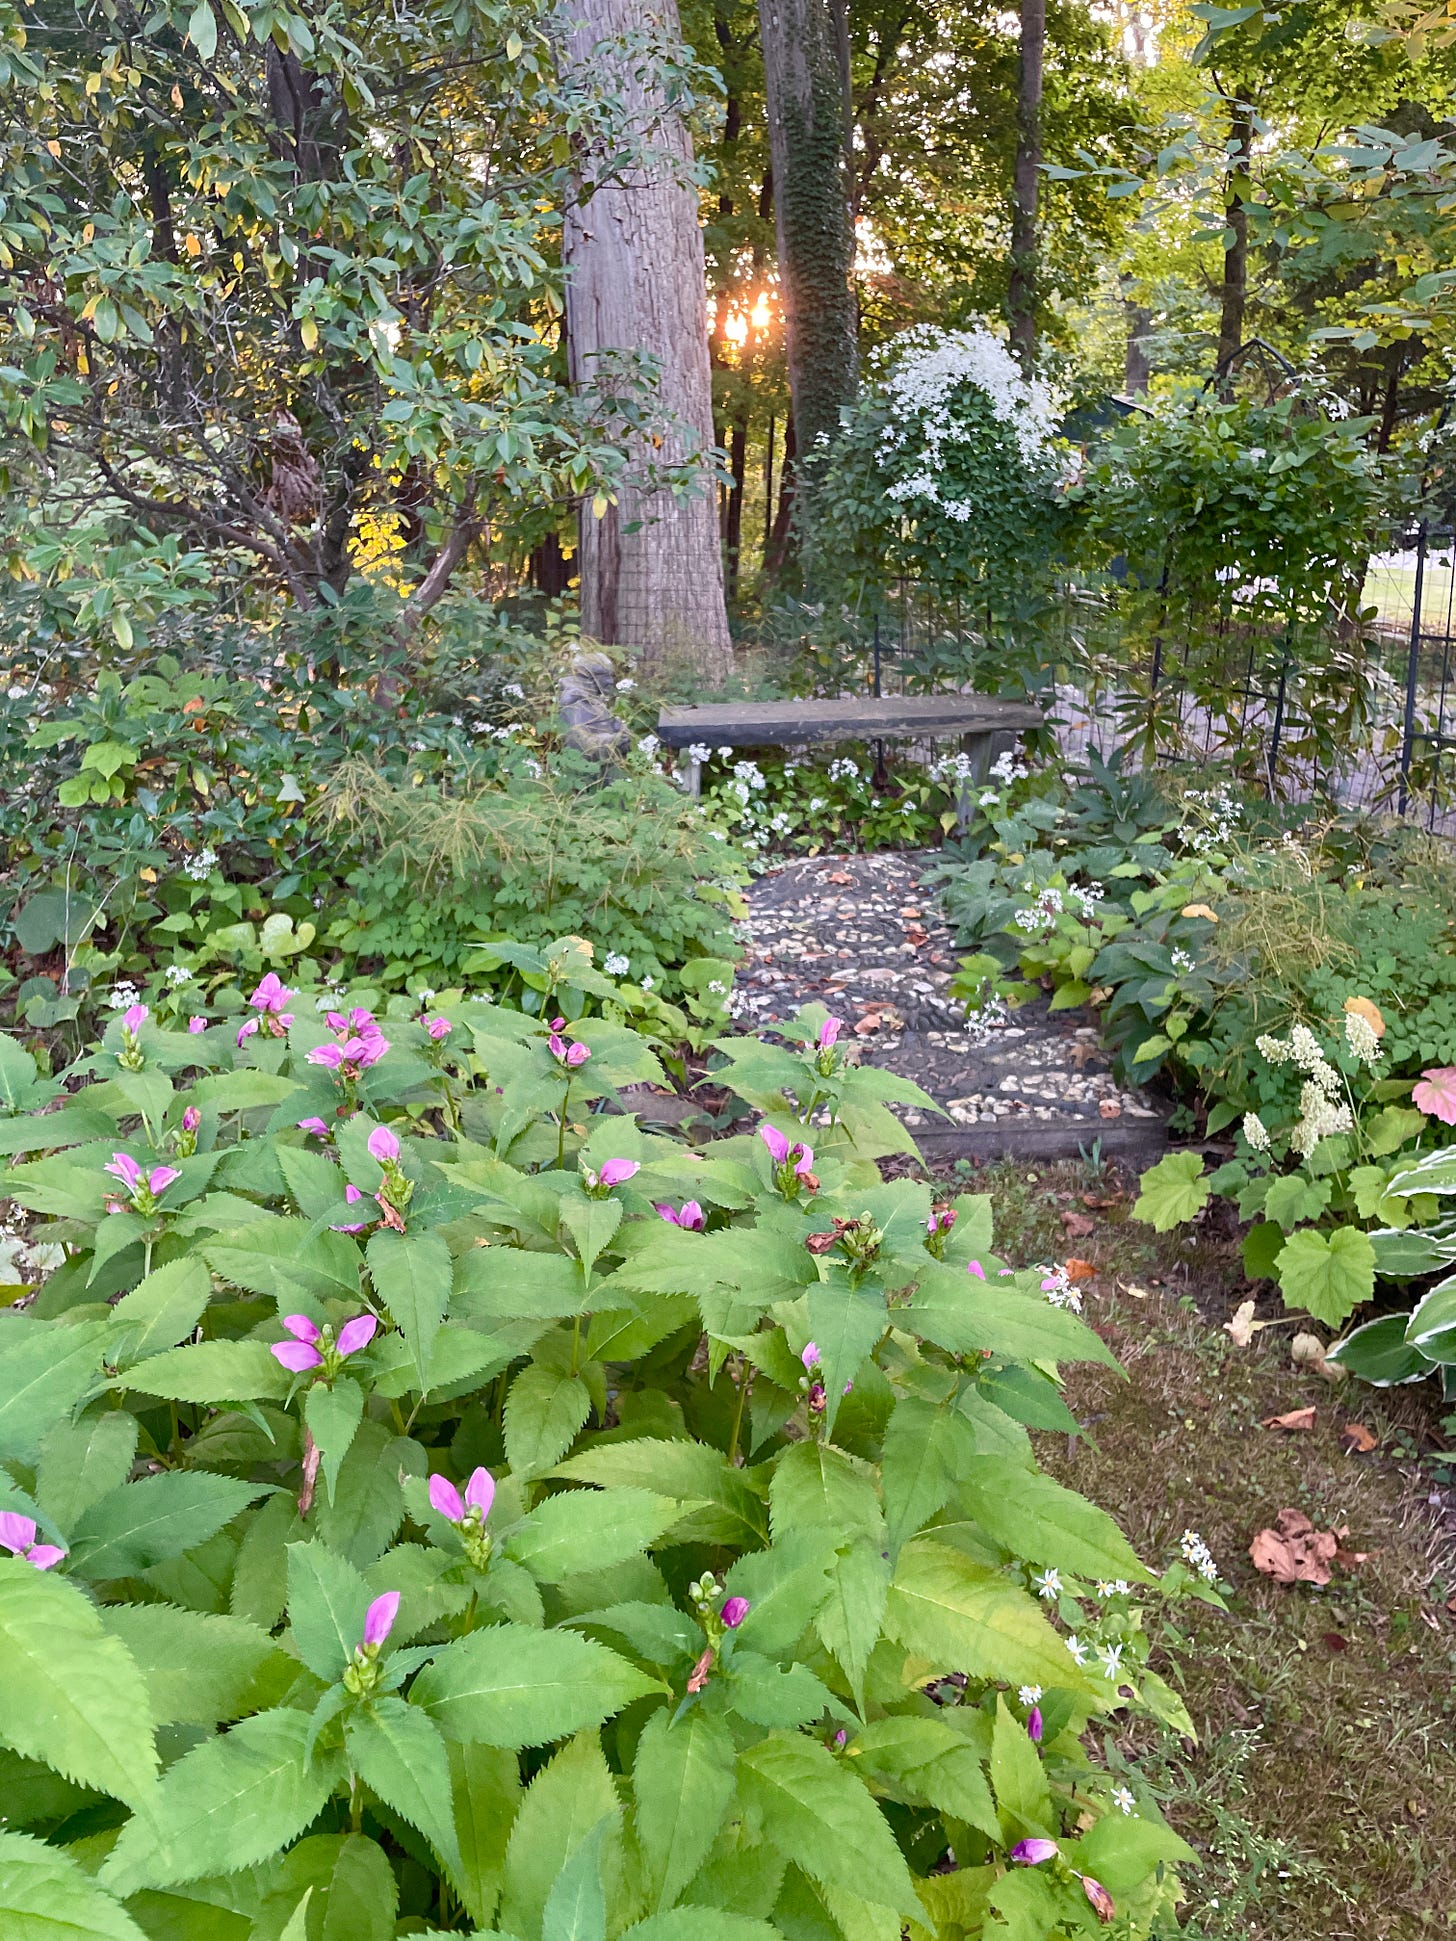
x=978 y=720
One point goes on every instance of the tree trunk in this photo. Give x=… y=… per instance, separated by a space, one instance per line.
x=651 y=568
x=1022 y=295
x=805 y=59
x=1137 y=365
x=1236 y=251
x=733 y=521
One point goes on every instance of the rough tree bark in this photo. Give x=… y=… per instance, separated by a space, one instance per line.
x=1236 y=252
x=1021 y=298
x=651 y=568
x=806 y=74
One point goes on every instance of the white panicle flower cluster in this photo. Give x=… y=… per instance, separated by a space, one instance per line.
x=1216 y=816
x=954 y=768
x=200 y=866
x=1256 y=1132
x=1007 y=769
x=843 y=770
x=1182 y=961
x=514 y=690
x=1360 y=1037
x=985 y=1020
x=1089 y=899
x=615 y=964
x=925 y=368
x=648 y=745
x=1272 y=1050
x=122 y=996
x=1323 y=1111
x=1060 y=1289
x=1041 y=914
x=178 y=974
x=699 y=751
x=1197 y=1555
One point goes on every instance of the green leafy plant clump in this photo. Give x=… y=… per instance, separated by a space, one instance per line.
x=429 y=1503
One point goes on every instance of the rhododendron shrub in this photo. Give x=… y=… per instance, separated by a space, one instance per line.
x=430 y=1502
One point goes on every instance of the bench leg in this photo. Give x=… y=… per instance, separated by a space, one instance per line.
x=695 y=780
x=978 y=747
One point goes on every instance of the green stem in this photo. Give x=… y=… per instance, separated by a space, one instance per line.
x=745 y=1382
x=356 y=1805
x=561 y=1129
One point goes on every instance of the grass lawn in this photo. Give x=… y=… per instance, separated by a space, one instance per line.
x=1322 y=1791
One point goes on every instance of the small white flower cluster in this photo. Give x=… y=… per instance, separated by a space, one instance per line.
x=1221 y=816
x=699 y=751
x=1029 y=1695
x=1006 y=769
x=626 y=684
x=842 y=769
x=122 y=996
x=1123 y=1799
x=1060 y=1289
x=924 y=368
x=1322 y=1110
x=615 y=964
x=514 y=690
x=1089 y=898
x=1042 y=914
x=985 y=1020
x=648 y=746
x=1118 y=1587
x=958 y=768
x=1182 y=960
x=178 y=974
x=1197 y=1555
x=200 y=866
x=1361 y=1037
x=1256 y=1132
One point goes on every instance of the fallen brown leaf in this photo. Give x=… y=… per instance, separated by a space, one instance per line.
x=840 y=876
x=916 y=936
x=1295 y=1419
x=1081 y=1270
x=870 y=1022
x=911 y=911
x=1242 y=1324
x=1137 y=1293
x=1110 y=1109
x=1294 y=1552
x=1358 y=1439
x=1332 y=1641
x=1079 y=1225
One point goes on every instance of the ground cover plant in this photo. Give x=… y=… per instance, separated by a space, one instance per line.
x=430 y=1499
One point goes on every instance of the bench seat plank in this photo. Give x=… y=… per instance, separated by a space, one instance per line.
x=783 y=724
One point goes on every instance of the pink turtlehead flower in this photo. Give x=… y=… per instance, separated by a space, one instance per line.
x=331 y=1057
x=271 y=996
x=303 y=1353
x=616 y=1172
x=1102 y=1902
x=133 y=1019
x=558 y=1024
x=316 y=1126
x=246 y=1031
x=383 y=1145
x=446 y=1500
x=336 y=1021
x=976 y=1271
x=160 y=1178
x=689 y=1215
x=353 y=1196
x=126 y=1169
x=570 y=1055
x=356 y=1334
x=734 y=1612
x=438 y=1028
x=829 y=1031
x=196 y=1025
x=1031 y=1853
x=379 y=1618
x=810 y=1354
x=1034 y=1725
x=191 y=1119
x=17 y=1535
x=778 y=1145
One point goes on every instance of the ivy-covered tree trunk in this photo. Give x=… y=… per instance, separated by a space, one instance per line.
x=1234 y=293
x=1022 y=295
x=806 y=74
x=651 y=565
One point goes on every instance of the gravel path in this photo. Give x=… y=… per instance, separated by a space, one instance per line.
x=861 y=935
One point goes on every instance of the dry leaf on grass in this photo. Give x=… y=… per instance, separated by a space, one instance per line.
x=1295 y=1419
x=1078 y=1225
x=1081 y=1270
x=1358 y=1439
x=1137 y=1293
x=1294 y=1552
x=1242 y=1325
x=840 y=876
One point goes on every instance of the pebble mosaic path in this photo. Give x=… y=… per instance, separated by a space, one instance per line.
x=861 y=935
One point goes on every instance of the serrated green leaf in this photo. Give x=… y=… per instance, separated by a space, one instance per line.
x=544 y=1411
x=200 y=1668
x=1018 y=1779
x=213 y=1372
x=485 y=1787
x=398 y=1752
x=926 y=1445
x=45 y=1370
x=956 y=1311
x=228 y=1803
x=45 y=1896
x=1172 y=1192
x=576 y=1906
x=819 y=1816
x=682 y=1782
x=159 y=1517
x=962 y=1616
x=924 y=1763
x=327 y=1602
x=512 y=1686
x=589 y=1529
x=367 y=1506
x=785 y=1586
x=160 y=1311
x=1328 y=1275
x=701 y=1924
x=562 y=1805
x=80 y=1462
x=412 y=1274
x=735 y=1512
x=74 y=1698
x=352 y=1888
x=1035 y=1518
x=845 y=1324
x=332 y=1415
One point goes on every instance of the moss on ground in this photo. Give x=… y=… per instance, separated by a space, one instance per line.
x=1322 y=1791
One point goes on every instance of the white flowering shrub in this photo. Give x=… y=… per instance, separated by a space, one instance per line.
x=948 y=472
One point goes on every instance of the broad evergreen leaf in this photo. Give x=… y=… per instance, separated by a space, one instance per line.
x=160 y=1311
x=228 y=1803
x=200 y=1668
x=818 y=1815
x=1033 y=1517
x=212 y=1372
x=74 y=1698
x=589 y=1529
x=146 y=1522
x=576 y=1906
x=80 y=1462
x=45 y=1896
x=1018 y=1780
x=485 y=1788
x=397 y=1751
x=508 y=1685
x=962 y=1616
x=544 y=1411
x=564 y=1802
x=411 y=1274
x=327 y=1603
x=682 y=1783
x=46 y=1368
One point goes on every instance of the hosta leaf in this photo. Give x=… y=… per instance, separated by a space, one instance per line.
x=45 y=1370
x=562 y=1805
x=83 y=1461
x=146 y=1522
x=74 y=1698
x=327 y=1602
x=589 y=1529
x=411 y=1274
x=200 y=1668
x=212 y=1372
x=398 y=1752
x=962 y=1616
x=1032 y=1517
x=544 y=1411
x=1172 y=1192
x=818 y=1815
x=45 y=1896
x=1328 y=1275
x=228 y=1803
x=512 y=1686
x=160 y=1311
x=682 y=1781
